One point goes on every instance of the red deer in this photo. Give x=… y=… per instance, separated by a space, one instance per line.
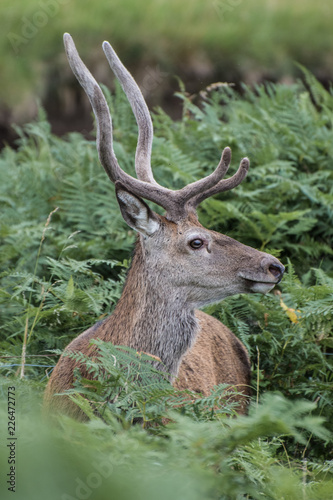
x=178 y=265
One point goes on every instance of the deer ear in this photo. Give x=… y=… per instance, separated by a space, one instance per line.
x=136 y=212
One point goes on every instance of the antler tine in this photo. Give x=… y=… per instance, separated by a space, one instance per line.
x=196 y=188
x=100 y=108
x=154 y=192
x=141 y=113
x=223 y=185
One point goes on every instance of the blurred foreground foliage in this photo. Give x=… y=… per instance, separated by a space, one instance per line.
x=189 y=458
x=64 y=255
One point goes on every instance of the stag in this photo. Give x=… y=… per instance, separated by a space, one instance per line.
x=178 y=265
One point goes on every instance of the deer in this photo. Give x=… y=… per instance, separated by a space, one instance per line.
x=178 y=266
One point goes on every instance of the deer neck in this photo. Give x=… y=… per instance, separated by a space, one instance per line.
x=153 y=317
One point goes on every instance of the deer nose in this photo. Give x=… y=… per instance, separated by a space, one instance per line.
x=277 y=270
x=274 y=267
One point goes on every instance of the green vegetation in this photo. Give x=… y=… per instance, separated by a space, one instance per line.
x=239 y=39
x=62 y=270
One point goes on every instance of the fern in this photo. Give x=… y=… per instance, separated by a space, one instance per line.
x=127 y=385
x=60 y=279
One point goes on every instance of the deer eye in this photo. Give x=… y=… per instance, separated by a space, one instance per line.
x=197 y=243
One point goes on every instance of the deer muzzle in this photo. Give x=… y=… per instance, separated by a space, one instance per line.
x=264 y=278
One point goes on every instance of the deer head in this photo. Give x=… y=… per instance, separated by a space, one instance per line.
x=194 y=263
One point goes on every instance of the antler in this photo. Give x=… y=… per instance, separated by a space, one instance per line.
x=176 y=203
x=141 y=113
x=223 y=185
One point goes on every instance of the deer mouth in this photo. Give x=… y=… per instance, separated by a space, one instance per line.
x=258 y=285
x=270 y=277
x=262 y=282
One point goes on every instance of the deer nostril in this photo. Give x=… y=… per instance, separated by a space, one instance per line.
x=276 y=270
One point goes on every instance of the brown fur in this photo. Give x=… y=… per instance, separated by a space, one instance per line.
x=156 y=312
x=216 y=357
